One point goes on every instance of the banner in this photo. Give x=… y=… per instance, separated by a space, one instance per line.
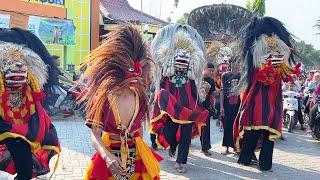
x=4 y=20
x=53 y=31
x=55 y=2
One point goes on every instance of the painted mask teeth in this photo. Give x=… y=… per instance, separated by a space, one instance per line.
x=16 y=82
x=15 y=74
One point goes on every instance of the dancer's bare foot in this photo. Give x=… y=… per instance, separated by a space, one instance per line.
x=226 y=151
x=254 y=160
x=171 y=154
x=179 y=168
x=207 y=153
x=234 y=150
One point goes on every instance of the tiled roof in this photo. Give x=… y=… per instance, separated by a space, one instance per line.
x=120 y=10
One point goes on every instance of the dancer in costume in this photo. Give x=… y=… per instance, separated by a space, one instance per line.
x=268 y=54
x=220 y=54
x=28 y=140
x=230 y=102
x=219 y=24
x=177 y=117
x=116 y=107
x=206 y=94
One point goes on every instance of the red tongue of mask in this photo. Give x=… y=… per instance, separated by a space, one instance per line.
x=223 y=68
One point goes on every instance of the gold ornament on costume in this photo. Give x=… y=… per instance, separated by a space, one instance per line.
x=15 y=99
x=18 y=107
x=271 y=42
x=33 y=82
x=285 y=70
x=2 y=89
x=13 y=53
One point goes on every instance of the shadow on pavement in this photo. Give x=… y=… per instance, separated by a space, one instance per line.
x=303 y=143
x=219 y=166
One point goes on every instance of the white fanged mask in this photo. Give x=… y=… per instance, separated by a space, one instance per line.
x=270 y=48
x=181 y=62
x=14 y=68
x=224 y=55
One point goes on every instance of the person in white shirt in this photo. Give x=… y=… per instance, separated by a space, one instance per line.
x=296 y=87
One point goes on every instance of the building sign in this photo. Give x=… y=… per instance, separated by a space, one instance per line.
x=56 y=2
x=4 y=20
x=53 y=31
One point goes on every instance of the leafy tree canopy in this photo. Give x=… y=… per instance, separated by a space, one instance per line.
x=257 y=6
x=183 y=19
x=308 y=54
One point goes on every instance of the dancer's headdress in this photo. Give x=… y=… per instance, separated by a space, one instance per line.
x=172 y=41
x=21 y=45
x=116 y=64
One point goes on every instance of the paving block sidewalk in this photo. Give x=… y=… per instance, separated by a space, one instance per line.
x=296 y=158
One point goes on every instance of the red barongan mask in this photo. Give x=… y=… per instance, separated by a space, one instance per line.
x=135 y=71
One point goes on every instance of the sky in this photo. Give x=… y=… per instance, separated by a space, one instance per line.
x=299 y=16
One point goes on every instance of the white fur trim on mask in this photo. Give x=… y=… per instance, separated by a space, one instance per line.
x=34 y=62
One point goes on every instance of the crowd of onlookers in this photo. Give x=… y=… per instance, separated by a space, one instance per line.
x=308 y=86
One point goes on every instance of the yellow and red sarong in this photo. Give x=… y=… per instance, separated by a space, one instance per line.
x=146 y=163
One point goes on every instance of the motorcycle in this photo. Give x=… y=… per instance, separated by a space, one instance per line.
x=314 y=117
x=290 y=108
x=67 y=106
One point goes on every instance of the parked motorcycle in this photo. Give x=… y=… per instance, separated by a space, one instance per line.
x=314 y=122
x=290 y=108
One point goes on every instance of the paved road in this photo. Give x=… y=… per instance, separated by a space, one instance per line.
x=296 y=158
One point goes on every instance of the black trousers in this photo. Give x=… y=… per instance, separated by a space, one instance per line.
x=250 y=140
x=300 y=116
x=205 y=136
x=153 y=138
x=170 y=130
x=313 y=116
x=22 y=157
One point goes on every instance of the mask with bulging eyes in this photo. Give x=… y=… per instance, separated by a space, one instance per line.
x=224 y=55
x=134 y=71
x=181 y=67
x=14 y=68
x=181 y=63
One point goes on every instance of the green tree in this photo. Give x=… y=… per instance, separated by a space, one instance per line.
x=308 y=54
x=249 y=5
x=258 y=7
x=317 y=25
x=183 y=19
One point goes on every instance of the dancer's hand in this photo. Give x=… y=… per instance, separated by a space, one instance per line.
x=218 y=123
x=222 y=113
x=114 y=164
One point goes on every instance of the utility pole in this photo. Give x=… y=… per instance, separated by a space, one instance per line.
x=160 y=8
x=141 y=21
x=141 y=9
